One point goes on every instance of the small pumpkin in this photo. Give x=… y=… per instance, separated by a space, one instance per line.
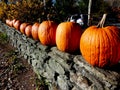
x=34 y=31
x=9 y=22
x=14 y=20
x=68 y=36
x=28 y=30
x=47 y=32
x=23 y=26
x=17 y=24
x=100 y=46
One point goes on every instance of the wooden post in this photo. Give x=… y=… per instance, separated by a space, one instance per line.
x=44 y=1
x=89 y=12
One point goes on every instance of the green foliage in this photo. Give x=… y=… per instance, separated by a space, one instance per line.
x=3 y=38
x=98 y=6
x=65 y=8
x=3 y=8
x=83 y=6
x=27 y=10
x=41 y=83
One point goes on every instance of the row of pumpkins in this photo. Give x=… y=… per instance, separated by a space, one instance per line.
x=100 y=46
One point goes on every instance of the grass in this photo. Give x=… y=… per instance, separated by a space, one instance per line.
x=3 y=38
x=41 y=84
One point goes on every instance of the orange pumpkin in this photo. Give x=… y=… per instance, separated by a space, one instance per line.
x=47 y=33
x=28 y=30
x=100 y=46
x=14 y=20
x=34 y=31
x=9 y=22
x=23 y=26
x=17 y=24
x=68 y=36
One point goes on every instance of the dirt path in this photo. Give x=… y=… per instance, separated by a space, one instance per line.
x=15 y=72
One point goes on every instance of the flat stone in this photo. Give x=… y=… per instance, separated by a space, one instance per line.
x=100 y=77
x=56 y=67
x=62 y=82
x=50 y=73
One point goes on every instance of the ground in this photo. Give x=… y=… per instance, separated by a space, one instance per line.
x=15 y=72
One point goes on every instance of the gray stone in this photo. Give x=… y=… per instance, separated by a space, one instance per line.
x=49 y=72
x=62 y=82
x=59 y=60
x=56 y=67
x=93 y=74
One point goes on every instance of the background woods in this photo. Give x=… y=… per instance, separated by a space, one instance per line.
x=40 y=10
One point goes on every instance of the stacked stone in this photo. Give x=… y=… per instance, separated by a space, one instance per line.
x=62 y=71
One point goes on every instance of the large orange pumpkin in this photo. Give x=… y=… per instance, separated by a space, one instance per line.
x=28 y=30
x=23 y=26
x=68 y=36
x=34 y=31
x=47 y=33
x=17 y=24
x=100 y=46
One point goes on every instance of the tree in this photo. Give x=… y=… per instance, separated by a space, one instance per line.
x=4 y=1
x=83 y=6
x=65 y=8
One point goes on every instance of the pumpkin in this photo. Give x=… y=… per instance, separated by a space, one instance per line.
x=47 y=33
x=28 y=30
x=68 y=36
x=9 y=22
x=14 y=20
x=100 y=46
x=23 y=26
x=34 y=31
x=17 y=24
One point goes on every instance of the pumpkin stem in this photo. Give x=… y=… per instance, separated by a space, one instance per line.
x=101 y=23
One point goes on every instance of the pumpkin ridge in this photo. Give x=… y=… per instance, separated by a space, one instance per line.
x=91 y=45
x=89 y=50
x=100 y=36
x=109 y=53
x=70 y=38
x=97 y=46
x=111 y=35
x=114 y=49
x=86 y=44
x=114 y=35
x=104 y=60
x=105 y=49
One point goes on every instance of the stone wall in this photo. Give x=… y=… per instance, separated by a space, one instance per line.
x=62 y=71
